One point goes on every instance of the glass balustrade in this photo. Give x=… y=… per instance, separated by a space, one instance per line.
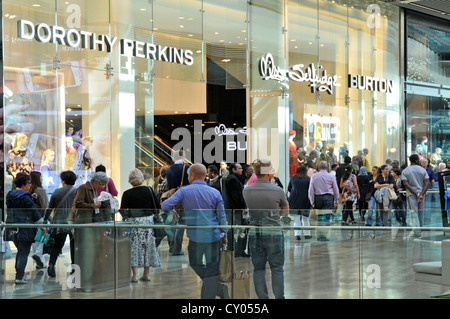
x=298 y=255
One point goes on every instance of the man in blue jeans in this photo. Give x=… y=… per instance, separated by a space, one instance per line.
x=266 y=203
x=323 y=194
x=203 y=206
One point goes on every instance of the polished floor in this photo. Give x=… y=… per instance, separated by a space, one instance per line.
x=341 y=268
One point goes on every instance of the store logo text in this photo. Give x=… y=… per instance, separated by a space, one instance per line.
x=322 y=83
x=87 y=40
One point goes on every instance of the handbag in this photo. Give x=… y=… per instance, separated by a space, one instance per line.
x=226 y=265
x=48 y=247
x=172 y=191
x=8 y=234
x=242 y=285
x=157 y=232
x=349 y=191
x=368 y=196
x=391 y=193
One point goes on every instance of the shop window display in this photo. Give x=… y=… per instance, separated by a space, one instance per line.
x=428 y=88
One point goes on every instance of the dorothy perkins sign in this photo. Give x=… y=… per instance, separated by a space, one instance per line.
x=87 y=40
x=318 y=78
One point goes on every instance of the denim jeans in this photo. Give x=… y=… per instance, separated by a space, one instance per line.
x=371 y=211
x=267 y=247
x=23 y=250
x=325 y=202
x=400 y=212
x=209 y=272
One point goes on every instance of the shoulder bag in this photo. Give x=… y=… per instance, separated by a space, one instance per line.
x=157 y=220
x=172 y=191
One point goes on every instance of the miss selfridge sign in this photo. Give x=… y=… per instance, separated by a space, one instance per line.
x=321 y=82
x=87 y=40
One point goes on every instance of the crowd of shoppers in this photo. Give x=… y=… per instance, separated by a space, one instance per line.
x=234 y=194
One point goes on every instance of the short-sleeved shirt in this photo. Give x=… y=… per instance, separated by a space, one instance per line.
x=264 y=201
x=416 y=176
x=388 y=180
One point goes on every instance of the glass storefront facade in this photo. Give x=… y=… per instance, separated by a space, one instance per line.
x=125 y=83
x=85 y=82
x=428 y=87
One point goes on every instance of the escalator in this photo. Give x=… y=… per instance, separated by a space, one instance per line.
x=151 y=151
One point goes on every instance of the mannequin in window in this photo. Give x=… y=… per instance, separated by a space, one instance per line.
x=420 y=152
x=27 y=165
x=293 y=156
x=325 y=157
x=365 y=159
x=87 y=161
x=332 y=156
x=436 y=157
x=314 y=156
x=71 y=153
x=343 y=153
x=46 y=169
x=19 y=144
x=423 y=145
x=70 y=131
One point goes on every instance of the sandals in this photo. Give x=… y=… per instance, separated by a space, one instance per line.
x=143 y=278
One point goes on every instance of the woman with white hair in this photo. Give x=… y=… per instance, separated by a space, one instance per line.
x=138 y=206
x=86 y=200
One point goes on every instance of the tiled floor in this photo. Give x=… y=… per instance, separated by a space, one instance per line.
x=337 y=269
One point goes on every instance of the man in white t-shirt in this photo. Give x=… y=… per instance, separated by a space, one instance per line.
x=416 y=181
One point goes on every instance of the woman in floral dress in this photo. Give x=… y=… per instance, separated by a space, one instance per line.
x=138 y=206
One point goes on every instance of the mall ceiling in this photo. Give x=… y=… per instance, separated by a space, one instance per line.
x=439 y=8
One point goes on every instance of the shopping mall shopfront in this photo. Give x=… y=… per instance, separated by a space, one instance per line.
x=123 y=83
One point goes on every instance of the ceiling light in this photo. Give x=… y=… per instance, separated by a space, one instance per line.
x=226 y=60
x=36 y=5
x=143 y=9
